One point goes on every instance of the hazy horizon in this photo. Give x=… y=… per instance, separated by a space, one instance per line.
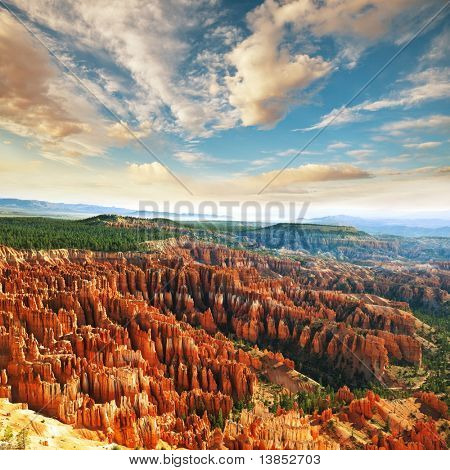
x=427 y=219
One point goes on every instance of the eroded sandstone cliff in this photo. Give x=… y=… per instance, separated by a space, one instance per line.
x=133 y=346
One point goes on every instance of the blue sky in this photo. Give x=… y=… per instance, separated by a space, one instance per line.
x=225 y=93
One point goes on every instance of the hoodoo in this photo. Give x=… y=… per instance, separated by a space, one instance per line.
x=135 y=346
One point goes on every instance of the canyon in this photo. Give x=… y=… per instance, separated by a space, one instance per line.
x=174 y=347
x=346 y=243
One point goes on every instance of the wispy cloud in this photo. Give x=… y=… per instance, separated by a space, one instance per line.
x=423 y=145
x=263 y=161
x=36 y=102
x=295 y=180
x=439 y=49
x=148 y=42
x=338 y=146
x=428 y=85
x=437 y=122
x=193 y=157
x=292 y=152
x=397 y=159
x=360 y=154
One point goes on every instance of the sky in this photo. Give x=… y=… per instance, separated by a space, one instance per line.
x=113 y=102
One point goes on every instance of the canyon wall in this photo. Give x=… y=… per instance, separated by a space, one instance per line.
x=134 y=345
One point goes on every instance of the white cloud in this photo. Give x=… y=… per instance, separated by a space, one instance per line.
x=263 y=161
x=149 y=173
x=336 y=117
x=350 y=53
x=337 y=146
x=428 y=85
x=288 y=153
x=148 y=42
x=439 y=49
x=189 y=157
x=194 y=157
x=397 y=159
x=292 y=152
x=229 y=35
x=360 y=18
x=267 y=75
x=437 y=122
x=423 y=145
x=294 y=180
x=360 y=154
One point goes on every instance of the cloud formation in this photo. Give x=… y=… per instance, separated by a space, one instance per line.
x=423 y=145
x=294 y=180
x=38 y=102
x=197 y=91
x=194 y=157
x=436 y=122
x=330 y=189
x=337 y=146
x=427 y=85
x=149 y=173
x=30 y=104
x=269 y=75
x=440 y=47
x=360 y=154
x=362 y=18
x=147 y=41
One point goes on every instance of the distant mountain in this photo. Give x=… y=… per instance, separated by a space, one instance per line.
x=415 y=227
x=420 y=227
x=9 y=206
x=32 y=207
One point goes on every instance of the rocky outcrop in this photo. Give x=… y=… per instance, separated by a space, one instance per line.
x=356 y=335
x=135 y=346
x=80 y=342
x=402 y=347
x=431 y=400
x=405 y=427
x=260 y=429
x=344 y=242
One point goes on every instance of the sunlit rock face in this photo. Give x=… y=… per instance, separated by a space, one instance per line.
x=79 y=341
x=135 y=346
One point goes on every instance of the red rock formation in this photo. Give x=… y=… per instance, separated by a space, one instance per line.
x=207 y=322
x=260 y=429
x=79 y=342
x=131 y=345
x=344 y=394
x=431 y=400
x=402 y=347
x=263 y=309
